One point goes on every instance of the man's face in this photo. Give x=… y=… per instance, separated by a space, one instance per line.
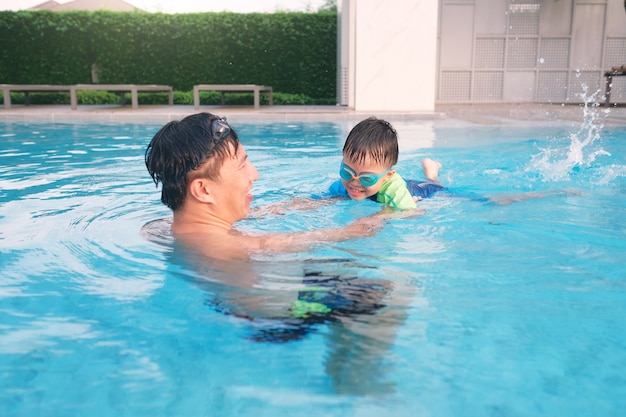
x=233 y=190
x=355 y=169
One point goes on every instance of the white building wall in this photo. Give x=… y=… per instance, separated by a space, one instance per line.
x=529 y=50
x=390 y=53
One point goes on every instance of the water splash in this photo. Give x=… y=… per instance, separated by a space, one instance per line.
x=557 y=163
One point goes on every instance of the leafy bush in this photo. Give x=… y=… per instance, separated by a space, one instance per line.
x=295 y=53
x=39 y=98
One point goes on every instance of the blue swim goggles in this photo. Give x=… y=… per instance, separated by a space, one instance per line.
x=367 y=179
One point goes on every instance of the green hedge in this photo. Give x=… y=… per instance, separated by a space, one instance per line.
x=295 y=53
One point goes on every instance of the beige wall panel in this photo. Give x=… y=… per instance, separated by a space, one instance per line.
x=555 y=18
x=457 y=23
x=587 y=36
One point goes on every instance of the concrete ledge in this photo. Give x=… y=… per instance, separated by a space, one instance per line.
x=449 y=114
x=164 y=114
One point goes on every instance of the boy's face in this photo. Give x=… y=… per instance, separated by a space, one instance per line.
x=356 y=170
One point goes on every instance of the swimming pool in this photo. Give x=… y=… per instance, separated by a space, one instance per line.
x=496 y=310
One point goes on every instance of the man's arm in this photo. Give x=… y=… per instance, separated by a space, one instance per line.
x=298 y=203
x=335 y=192
x=300 y=241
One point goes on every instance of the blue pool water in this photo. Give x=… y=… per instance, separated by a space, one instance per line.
x=496 y=310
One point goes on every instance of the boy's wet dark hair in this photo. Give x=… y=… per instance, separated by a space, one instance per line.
x=374 y=138
x=180 y=150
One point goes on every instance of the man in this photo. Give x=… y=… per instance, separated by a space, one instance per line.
x=207 y=180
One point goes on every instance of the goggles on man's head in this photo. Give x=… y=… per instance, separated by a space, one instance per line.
x=367 y=179
x=219 y=128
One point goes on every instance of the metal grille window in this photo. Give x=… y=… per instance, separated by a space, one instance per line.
x=489 y=53
x=530 y=50
x=488 y=85
x=524 y=18
x=552 y=86
x=554 y=53
x=522 y=53
x=576 y=80
x=454 y=86
x=615 y=52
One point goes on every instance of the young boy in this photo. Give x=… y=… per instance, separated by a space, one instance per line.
x=369 y=154
x=366 y=172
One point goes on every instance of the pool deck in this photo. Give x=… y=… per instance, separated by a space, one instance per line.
x=475 y=114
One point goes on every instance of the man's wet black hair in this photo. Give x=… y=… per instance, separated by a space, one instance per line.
x=200 y=142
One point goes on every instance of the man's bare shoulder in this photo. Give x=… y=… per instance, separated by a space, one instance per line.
x=208 y=242
x=220 y=245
